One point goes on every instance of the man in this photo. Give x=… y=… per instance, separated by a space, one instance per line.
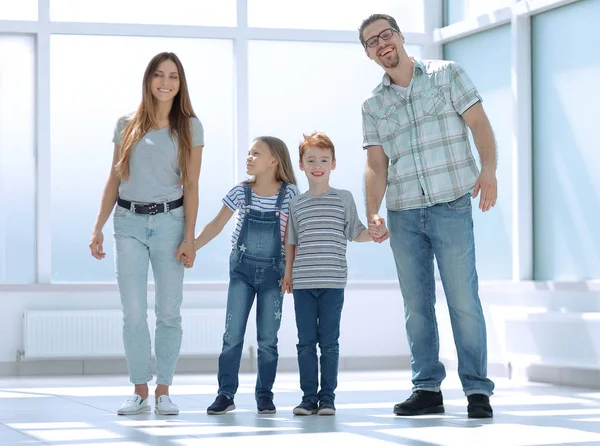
x=415 y=133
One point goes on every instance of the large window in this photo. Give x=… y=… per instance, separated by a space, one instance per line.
x=94 y=81
x=254 y=67
x=565 y=142
x=333 y=14
x=493 y=229
x=457 y=10
x=17 y=159
x=18 y=10
x=320 y=86
x=173 y=12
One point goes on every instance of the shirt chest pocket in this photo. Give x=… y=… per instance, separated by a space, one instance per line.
x=433 y=101
x=388 y=122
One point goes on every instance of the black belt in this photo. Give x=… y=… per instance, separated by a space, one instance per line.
x=150 y=208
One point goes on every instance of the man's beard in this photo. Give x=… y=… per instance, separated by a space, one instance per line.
x=393 y=63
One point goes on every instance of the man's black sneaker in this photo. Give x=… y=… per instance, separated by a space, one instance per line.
x=306 y=408
x=221 y=405
x=479 y=406
x=265 y=405
x=421 y=402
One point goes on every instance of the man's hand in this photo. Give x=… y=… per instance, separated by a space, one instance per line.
x=377 y=229
x=487 y=185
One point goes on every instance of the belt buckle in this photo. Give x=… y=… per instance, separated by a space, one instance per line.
x=152 y=209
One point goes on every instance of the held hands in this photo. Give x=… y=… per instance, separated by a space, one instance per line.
x=186 y=262
x=377 y=229
x=186 y=253
x=286 y=284
x=486 y=183
x=96 y=242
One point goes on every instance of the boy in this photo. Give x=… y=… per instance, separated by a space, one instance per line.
x=321 y=220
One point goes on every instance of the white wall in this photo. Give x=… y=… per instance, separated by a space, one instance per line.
x=529 y=323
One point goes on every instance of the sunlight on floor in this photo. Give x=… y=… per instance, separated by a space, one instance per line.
x=76 y=412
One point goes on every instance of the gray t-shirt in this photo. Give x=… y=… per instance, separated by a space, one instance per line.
x=320 y=226
x=154 y=174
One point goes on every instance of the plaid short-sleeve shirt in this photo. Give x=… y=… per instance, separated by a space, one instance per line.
x=424 y=135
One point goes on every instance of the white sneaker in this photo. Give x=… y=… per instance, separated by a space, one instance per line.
x=164 y=406
x=134 y=405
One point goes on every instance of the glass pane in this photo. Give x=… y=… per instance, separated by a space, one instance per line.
x=493 y=229
x=174 y=12
x=565 y=143
x=17 y=159
x=18 y=10
x=333 y=14
x=458 y=10
x=317 y=97
x=94 y=81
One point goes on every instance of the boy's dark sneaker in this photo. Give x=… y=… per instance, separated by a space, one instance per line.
x=326 y=408
x=221 y=405
x=306 y=408
x=479 y=406
x=421 y=402
x=265 y=405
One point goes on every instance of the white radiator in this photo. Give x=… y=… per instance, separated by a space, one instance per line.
x=99 y=333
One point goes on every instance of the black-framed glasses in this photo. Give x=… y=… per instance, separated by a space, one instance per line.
x=386 y=34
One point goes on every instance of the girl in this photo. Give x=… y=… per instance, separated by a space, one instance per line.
x=256 y=267
x=156 y=164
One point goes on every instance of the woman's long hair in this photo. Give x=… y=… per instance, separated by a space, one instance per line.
x=144 y=118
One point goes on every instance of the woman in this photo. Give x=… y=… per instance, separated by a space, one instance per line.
x=154 y=182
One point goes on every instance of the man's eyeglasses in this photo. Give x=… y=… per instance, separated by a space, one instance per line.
x=386 y=34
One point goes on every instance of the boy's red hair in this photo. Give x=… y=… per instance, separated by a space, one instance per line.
x=316 y=139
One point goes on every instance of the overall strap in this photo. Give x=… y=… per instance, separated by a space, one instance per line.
x=281 y=196
x=247 y=194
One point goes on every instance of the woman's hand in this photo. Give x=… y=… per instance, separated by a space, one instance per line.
x=186 y=253
x=96 y=242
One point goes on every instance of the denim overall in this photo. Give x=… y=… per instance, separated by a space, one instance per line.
x=256 y=267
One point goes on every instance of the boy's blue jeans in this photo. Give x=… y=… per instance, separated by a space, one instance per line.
x=318 y=315
x=446 y=232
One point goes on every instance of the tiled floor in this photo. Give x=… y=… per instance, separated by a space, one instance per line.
x=72 y=411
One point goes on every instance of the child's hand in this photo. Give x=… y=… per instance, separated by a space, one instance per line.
x=378 y=230
x=187 y=262
x=286 y=284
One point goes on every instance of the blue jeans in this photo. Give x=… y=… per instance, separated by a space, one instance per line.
x=318 y=315
x=250 y=277
x=446 y=232
x=140 y=240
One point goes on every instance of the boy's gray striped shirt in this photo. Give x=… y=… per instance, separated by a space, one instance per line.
x=320 y=226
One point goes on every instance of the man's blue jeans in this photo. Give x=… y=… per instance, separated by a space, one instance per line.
x=446 y=232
